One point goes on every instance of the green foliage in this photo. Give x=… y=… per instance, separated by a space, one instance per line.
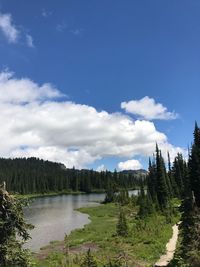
x=89 y=260
x=122 y=228
x=122 y=197
x=110 y=193
x=12 y=224
x=188 y=253
x=161 y=189
x=158 y=182
x=113 y=264
x=179 y=172
x=121 y=260
x=32 y=176
x=144 y=241
x=145 y=203
x=194 y=165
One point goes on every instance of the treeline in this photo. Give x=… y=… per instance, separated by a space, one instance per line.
x=189 y=250
x=165 y=183
x=177 y=181
x=32 y=175
x=180 y=180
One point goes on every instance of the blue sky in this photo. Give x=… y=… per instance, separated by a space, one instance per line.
x=98 y=54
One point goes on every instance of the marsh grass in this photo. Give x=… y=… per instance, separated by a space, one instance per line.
x=145 y=242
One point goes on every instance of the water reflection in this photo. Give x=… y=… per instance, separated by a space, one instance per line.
x=56 y=215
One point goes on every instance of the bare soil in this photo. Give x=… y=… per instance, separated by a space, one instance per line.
x=170 y=249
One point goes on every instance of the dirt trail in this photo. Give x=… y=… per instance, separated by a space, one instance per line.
x=170 y=249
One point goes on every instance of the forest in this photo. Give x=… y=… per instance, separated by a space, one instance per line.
x=170 y=193
x=33 y=175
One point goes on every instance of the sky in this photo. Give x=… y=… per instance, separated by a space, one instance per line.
x=95 y=84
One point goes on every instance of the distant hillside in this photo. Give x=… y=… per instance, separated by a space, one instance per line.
x=137 y=173
x=33 y=175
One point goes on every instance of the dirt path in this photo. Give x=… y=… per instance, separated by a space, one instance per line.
x=170 y=249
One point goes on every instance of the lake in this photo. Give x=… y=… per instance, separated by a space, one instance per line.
x=55 y=216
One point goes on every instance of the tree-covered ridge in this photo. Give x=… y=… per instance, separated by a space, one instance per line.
x=32 y=175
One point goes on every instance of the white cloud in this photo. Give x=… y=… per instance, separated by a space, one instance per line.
x=10 y=31
x=131 y=164
x=148 y=109
x=35 y=124
x=29 y=41
x=23 y=90
x=8 y=28
x=101 y=168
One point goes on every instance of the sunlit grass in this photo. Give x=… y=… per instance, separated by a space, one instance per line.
x=145 y=243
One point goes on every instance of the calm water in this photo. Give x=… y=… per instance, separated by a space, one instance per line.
x=56 y=215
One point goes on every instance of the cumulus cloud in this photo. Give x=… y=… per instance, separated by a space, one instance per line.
x=148 y=109
x=23 y=90
x=34 y=123
x=8 y=28
x=131 y=164
x=101 y=168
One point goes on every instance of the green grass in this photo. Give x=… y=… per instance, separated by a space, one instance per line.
x=145 y=243
x=48 y=194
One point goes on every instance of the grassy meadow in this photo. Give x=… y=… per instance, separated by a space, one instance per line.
x=144 y=244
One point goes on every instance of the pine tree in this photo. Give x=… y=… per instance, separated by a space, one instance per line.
x=123 y=197
x=122 y=228
x=195 y=165
x=190 y=230
x=110 y=193
x=178 y=173
x=162 y=190
x=174 y=187
x=145 y=203
x=12 y=224
x=187 y=219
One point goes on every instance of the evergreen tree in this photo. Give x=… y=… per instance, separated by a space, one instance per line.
x=110 y=194
x=12 y=224
x=194 y=167
x=158 y=182
x=32 y=175
x=122 y=228
x=174 y=187
x=123 y=197
x=145 y=203
x=151 y=180
x=178 y=173
x=190 y=230
x=162 y=190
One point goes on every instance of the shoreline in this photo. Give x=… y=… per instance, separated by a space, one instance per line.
x=143 y=247
x=51 y=194
x=59 y=193
x=76 y=210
